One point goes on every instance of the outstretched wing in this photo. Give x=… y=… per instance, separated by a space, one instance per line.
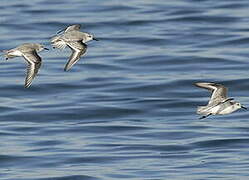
x=34 y=63
x=75 y=27
x=219 y=92
x=78 y=49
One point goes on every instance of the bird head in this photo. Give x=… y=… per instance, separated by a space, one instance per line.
x=89 y=37
x=237 y=105
x=40 y=47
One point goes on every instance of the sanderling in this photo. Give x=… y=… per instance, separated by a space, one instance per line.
x=219 y=103
x=75 y=40
x=29 y=52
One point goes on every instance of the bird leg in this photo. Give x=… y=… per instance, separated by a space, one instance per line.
x=205 y=116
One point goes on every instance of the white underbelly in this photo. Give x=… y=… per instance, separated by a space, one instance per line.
x=15 y=53
x=227 y=110
x=215 y=110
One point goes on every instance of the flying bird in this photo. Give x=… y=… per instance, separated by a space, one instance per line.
x=30 y=53
x=219 y=103
x=75 y=40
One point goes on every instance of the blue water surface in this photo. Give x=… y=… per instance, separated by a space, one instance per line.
x=127 y=110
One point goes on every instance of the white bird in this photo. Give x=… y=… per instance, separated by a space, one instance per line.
x=219 y=103
x=75 y=40
x=29 y=52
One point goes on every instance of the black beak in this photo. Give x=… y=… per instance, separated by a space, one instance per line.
x=46 y=49
x=243 y=107
x=95 y=39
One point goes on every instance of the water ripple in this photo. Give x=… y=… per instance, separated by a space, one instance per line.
x=127 y=109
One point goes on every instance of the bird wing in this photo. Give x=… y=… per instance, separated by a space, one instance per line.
x=78 y=49
x=58 y=42
x=75 y=27
x=34 y=63
x=219 y=92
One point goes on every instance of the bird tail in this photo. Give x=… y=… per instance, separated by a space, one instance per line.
x=8 y=54
x=202 y=110
x=57 y=42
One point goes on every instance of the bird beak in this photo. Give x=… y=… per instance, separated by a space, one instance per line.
x=46 y=49
x=95 y=39
x=243 y=107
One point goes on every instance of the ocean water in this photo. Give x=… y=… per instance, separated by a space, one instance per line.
x=127 y=109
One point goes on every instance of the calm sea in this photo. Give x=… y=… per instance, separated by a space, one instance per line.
x=127 y=109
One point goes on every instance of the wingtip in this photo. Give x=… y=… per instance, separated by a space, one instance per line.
x=27 y=85
x=201 y=84
x=197 y=84
x=66 y=69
